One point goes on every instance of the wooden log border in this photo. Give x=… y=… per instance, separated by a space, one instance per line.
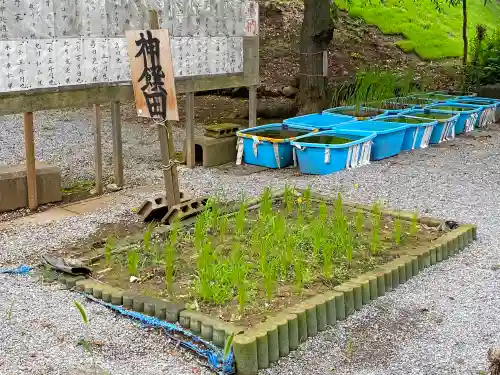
x=258 y=347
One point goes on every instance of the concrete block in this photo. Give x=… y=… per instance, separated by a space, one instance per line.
x=221 y=130
x=14 y=185
x=210 y=152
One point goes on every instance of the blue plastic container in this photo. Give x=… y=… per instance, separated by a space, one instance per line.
x=269 y=145
x=337 y=111
x=326 y=158
x=495 y=102
x=487 y=113
x=393 y=106
x=319 y=121
x=437 y=97
x=468 y=114
x=445 y=126
x=389 y=139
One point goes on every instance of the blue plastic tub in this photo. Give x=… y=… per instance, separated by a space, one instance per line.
x=319 y=121
x=393 y=106
x=437 y=97
x=418 y=133
x=496 y=115
x=269 y=145
x=486 y=114
x=468 y=114
x=389 y=139
x=325 y=158
x=340 y=111
x=444 y=129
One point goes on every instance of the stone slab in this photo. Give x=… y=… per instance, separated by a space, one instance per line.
x=14 y=185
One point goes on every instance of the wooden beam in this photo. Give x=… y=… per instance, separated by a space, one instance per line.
x=97 y=120
x=252 y=106
x=29 y=148
x=87 y=95
x=116 y=129
x=190 y=148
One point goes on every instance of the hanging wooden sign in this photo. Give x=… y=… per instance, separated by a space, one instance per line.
x=152 y=74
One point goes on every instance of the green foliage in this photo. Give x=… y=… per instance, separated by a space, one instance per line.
x=484 y=64
x=371 y=87
x=148 y=233
x=228 y=346
x=432 y=26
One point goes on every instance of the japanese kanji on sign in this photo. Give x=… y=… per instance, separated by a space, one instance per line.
x=152 y=74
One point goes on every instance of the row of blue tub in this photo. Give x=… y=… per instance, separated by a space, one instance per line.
x=332 y=141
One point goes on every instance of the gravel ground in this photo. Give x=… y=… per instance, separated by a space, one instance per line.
x=441 y=322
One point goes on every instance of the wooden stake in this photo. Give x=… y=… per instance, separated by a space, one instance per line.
x=116 y=127
x=167 y=144
x=29 y=148
x=97 y=148
x=190 y=148
x=252 y=106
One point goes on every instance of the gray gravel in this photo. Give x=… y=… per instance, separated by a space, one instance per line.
x=40 y=330
x=441 y=322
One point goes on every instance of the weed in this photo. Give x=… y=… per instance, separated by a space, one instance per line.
x=86 y=342
x=350 y=348
x=133 y=261
x=9 y=312
x=228 y=346
x=266 y=204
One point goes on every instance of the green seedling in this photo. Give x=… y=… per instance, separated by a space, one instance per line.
x=376 y=227
x=289 y=199
x=147 y=237
x=397 y=230
x=133 y=261
x=414 y=224
x=359 y=222
x=108 y=250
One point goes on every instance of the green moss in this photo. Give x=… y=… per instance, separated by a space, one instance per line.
x=405 y=120
x=325 y=139
x=428 y=32
x=432 y=115
x=78 y=187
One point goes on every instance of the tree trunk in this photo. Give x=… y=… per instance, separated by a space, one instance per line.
x=316 y=34
x=464 y=32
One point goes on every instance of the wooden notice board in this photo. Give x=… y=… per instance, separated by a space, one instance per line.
x=152 y=74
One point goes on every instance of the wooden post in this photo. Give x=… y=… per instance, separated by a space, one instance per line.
x=190 y=148
x=29 y=148
x=252 y=106
x=167 y=144
x=97 y=148
x=116 y=128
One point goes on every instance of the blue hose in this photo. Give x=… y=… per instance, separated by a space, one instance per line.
x=21 y=270
x=210 y=352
